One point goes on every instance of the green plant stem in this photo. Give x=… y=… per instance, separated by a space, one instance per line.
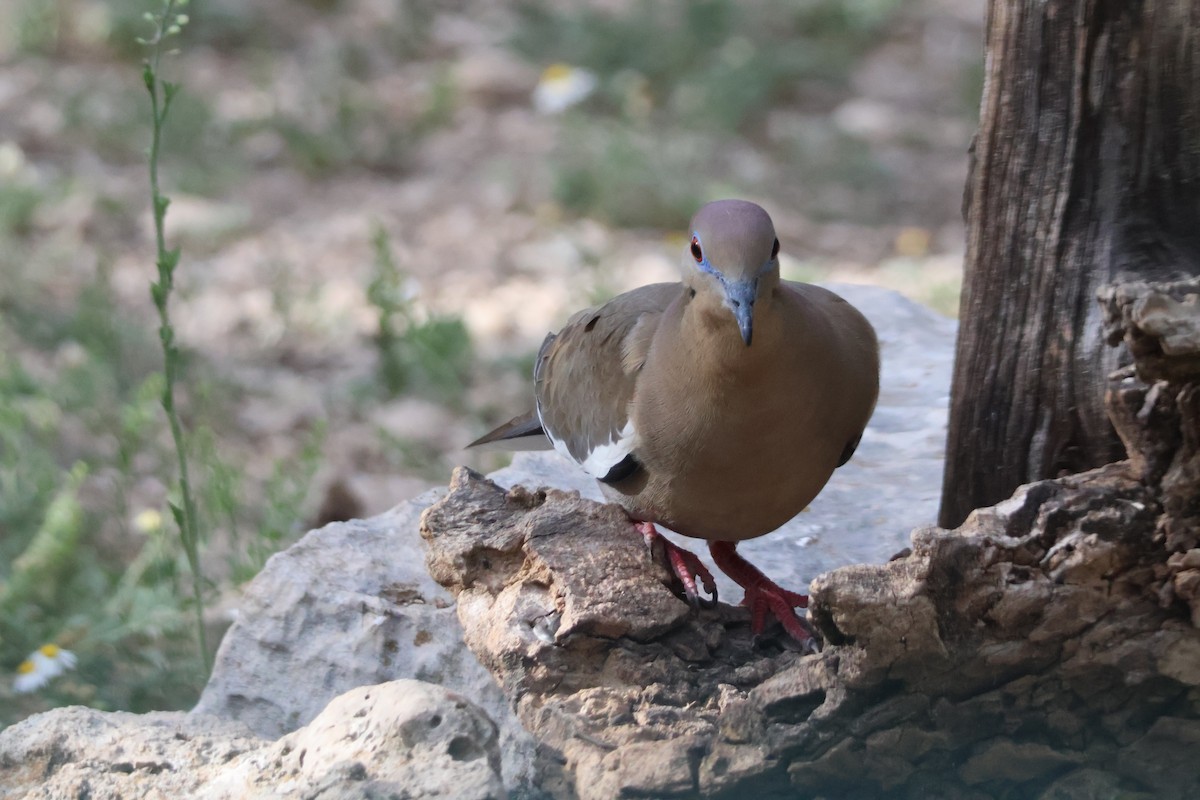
x=161 y=95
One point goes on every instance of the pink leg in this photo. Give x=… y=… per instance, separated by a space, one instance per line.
x=763 y=594
x=683 y=565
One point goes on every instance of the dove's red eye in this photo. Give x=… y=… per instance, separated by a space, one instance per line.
x=696 y=252
x=775 y=249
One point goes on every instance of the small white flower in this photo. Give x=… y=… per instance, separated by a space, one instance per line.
x=147 y=521
x=12 y=159
x=43 y=665
x=562 y=86
x=64 y=657
x=28 y=678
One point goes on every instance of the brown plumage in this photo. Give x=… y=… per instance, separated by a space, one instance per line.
x=718 y=406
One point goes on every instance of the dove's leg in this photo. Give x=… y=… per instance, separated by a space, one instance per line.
x=683 y=564
x=763 y=594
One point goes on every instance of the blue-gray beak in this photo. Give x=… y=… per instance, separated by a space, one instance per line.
x=740 y=295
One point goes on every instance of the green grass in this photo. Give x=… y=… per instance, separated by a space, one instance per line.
x=223 y=25
x=90 y=559
x=680 y=83
x=418 y=351
x=624 y=176
x=68 y=435
x=277 y=522
x=338 y=123
x=82 y=429
x=717 y=64
x=17 y=206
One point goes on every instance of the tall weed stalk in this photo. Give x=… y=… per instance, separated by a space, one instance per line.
x=169 y=22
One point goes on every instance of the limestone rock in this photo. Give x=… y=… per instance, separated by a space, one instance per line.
x=82 y=752
x=402 y=739
x=348 y=605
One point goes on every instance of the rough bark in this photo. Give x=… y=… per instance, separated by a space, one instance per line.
x=1048 y=648
x=1086 y=171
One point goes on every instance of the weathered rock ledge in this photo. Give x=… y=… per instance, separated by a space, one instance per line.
x=1047 y=648
x=1029 y=649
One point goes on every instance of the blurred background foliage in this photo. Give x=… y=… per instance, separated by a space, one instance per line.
x=699 y=70
x=377 y=227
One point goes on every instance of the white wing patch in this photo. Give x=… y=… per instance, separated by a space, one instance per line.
x=603 y=457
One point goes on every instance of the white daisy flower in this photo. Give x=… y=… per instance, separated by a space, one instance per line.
x=43 y=665
x=562 y=86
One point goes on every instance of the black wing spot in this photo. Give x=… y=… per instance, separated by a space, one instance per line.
x=623 y=469
x=851 y=446
x=591 y=324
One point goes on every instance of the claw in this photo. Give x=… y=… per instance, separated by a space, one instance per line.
x=763 y=595
x=683 y=564
x=780 y=602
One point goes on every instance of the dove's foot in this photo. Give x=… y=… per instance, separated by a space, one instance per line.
x=683 y=564
x=763 y=595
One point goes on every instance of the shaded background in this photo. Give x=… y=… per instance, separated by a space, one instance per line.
x=342 y=167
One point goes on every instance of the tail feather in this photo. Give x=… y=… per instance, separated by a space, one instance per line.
x=523 y=432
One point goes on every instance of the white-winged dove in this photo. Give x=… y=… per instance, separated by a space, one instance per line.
x=718 y=406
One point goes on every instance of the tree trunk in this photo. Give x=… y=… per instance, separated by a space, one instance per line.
x=1086 y=170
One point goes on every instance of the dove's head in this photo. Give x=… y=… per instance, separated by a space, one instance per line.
x=733 y=256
